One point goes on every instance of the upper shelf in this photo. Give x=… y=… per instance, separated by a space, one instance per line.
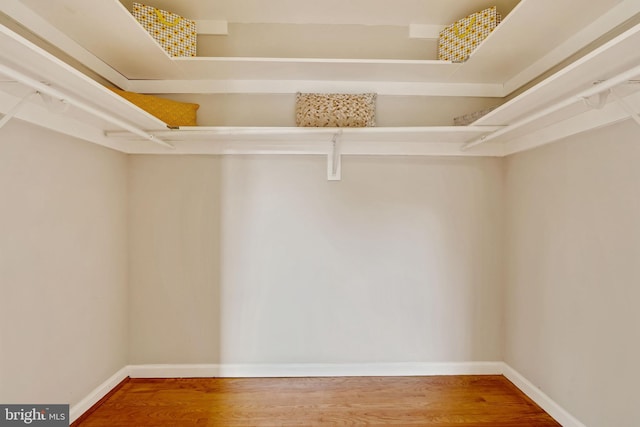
x=111 y=33
x=434 y=140
x=98 y=115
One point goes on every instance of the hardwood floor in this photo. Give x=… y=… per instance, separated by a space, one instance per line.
x=485 y=400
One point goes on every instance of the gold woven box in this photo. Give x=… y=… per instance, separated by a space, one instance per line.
x=458 y=40
x=176 y=35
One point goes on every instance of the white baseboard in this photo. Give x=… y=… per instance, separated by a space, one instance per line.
x=327 y=370
x=315 y=370
x=174 y=371
x=541 y=399
x=98 y=393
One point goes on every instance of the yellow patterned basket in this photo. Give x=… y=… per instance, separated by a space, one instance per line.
x=176 y=35
x=460 y=39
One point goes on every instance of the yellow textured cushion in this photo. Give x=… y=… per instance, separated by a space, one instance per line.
x=171 y=112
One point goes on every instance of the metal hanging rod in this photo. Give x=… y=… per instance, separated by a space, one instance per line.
x=601 y=86
x=48 y=90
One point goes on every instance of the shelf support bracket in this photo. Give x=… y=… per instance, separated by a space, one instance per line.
x=602 y=100
x=626 y=106
x=15 y=109
x=334 y=159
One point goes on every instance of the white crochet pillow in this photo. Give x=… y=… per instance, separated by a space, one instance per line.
x=335 y=110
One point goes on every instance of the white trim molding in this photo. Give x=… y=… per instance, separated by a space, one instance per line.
x=315 y=370
x=540 y=398
x=98 y=393
x=212 y=27
x=390 y=87
x=424 y=31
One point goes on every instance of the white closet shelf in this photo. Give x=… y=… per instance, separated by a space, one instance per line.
x=436 y=140
x=28 y=67
x=135 y=54
x=111 y=33
x=613 y=57
x=23 y=58
x=121 y=125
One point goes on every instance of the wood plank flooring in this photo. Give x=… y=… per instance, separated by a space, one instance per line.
x=443 y=401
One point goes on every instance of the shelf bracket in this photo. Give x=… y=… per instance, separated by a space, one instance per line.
x=601 y=102
x=627 y=107
x=15 y=109
x=334 y=159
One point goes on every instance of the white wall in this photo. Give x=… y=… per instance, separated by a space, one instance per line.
x=279 y=109
x=318 y=41
x=63 y=266
x=174 y=240
x=573 y=273
x=262 y=260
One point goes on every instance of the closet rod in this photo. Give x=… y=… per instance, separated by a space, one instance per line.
x=594 y=90
x=48 y=90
